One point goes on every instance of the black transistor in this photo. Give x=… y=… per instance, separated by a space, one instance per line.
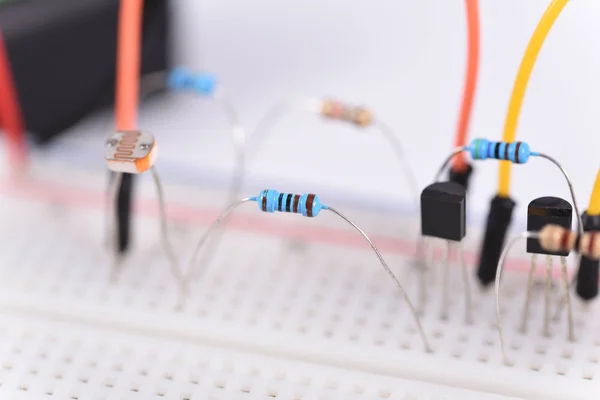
x=544 y=211
x=443 y=216
x=541 y=212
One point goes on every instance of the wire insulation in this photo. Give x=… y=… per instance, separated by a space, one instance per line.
x=516 y=101
x=11 y=118
x=128 y=63
x=594 y=207
x=472 y=70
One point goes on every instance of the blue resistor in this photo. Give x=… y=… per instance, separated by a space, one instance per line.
x=516 y=152
x=182 y=79
x=308 y=204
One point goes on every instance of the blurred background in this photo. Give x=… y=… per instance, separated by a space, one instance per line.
x=405 y=61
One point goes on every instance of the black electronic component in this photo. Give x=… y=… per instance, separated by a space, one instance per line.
x=545 y=211
x=499 y=218
x=124 y=212
x=443 y=211
x=587 y=276
x=463 y=177
x=62 y=54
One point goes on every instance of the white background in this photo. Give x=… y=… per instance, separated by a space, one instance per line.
x=403 y=59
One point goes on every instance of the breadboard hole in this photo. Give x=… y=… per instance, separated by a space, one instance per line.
x=321 y=299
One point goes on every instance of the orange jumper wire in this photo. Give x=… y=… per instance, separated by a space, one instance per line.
x=10 y=112
x=472 y=9
x=128 y=63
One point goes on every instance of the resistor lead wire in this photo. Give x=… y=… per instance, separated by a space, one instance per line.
x=511 y=243
x=307 y=205
x=339 y=111
x=551 y=238
x=180 y=79
x=516 y=152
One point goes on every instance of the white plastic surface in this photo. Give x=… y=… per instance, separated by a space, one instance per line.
x=305 y=297
x=44 y=359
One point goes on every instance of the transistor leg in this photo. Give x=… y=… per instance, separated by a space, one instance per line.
x=563 y=262
x=528 y=293
x=547 y=293
x=445 y=281
x=466 y=286
x=423 y=271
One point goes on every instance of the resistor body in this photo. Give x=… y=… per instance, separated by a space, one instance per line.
x=515 y=152
x=558 y=239
x=308 y=204
x=181 y=79
x=334 y=109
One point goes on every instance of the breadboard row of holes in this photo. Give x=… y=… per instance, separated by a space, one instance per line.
x=43 y=359
x=309 y=302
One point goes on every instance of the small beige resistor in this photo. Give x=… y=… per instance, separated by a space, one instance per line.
x=556 y=238
x=131 y=152
x=337 y=110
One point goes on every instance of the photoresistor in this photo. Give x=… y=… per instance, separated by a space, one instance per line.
x=135 y=152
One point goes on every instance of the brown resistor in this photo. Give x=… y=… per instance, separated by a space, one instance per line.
x=337 y=110
x=557 y=238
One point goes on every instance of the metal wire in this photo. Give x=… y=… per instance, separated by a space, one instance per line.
x=447 y=161
x=394 y=142
x=392 y=275
x=314 y=105
x=275 y=113
x=525 y=317
x=191 y=271
x=564 y=172
x=164 y=229
x=563 y=264
x=547 y=294
x=523 y=235
x=157 y=81
x=467 y=287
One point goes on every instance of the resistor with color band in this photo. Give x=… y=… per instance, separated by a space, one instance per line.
x=181 y=79
x=556 y=238
x=334 y=109
x=515 y=152
x=308 y=204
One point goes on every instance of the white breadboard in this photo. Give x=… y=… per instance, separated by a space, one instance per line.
x=290 y=308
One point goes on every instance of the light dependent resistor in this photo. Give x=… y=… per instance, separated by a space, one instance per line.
x=181 y=79
x=515 y=152
x=334 y=109
x=130 y=152
x=308 y=204
x=556 y=238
